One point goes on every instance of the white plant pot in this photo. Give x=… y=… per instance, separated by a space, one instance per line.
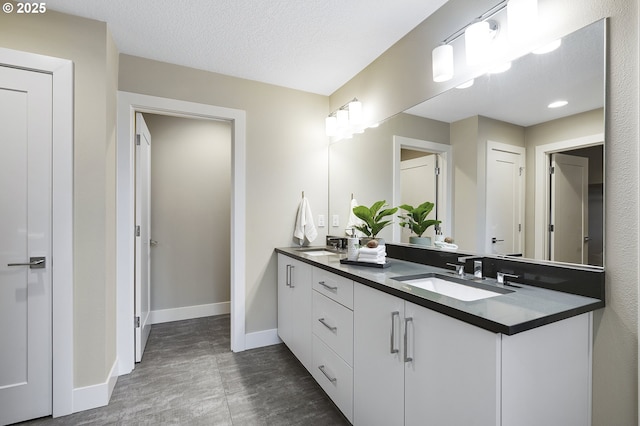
x=421 y=241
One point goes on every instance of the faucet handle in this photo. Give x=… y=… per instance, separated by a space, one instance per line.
x=500 y=277
x=459 y=268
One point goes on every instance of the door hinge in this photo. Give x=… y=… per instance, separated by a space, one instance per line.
x=551 y=228
x=137 y=230
x=137 y=139
x=437 y=171
x=552 y=170
x=519 y=227
x=137 y=322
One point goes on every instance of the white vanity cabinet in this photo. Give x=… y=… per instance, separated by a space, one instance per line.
x=333 y=338
x=294 y=307
x=414 y=366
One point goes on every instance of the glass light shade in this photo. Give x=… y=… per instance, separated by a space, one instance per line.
x=331 y=125
x=466 y=85
x=442 y=62
x=557 y=104
x=355 y=114
x=522 y=19
x=342 y=120
x=549 y=47
x=477 y=39
x=505 y=66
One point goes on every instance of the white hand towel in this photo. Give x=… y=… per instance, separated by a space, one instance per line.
x=375 y=250
x=304 y=223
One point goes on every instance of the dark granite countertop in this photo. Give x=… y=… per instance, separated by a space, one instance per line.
x=524 y=308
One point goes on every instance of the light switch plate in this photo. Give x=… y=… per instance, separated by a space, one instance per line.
x=335 y=220
x=320 y=221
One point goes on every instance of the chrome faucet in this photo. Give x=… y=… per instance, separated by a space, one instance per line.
x=459 y=268
x=477 y=264
x=502 y=277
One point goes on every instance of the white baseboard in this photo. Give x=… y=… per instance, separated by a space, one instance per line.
x=94 y=396
x=189 y=312
x=259 y=339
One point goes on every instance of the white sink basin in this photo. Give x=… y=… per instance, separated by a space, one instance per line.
x=451 y=289
x=318 y=252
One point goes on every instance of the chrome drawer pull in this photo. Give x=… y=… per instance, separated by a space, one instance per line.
x=331 y=379
x=328 y=287
x=407 y=358
x=323 y=322
x=393 y=332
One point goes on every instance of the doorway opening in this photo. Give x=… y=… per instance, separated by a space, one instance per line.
x=430 y=163
x=588 y=208
x=128 y=105
x=188 y=241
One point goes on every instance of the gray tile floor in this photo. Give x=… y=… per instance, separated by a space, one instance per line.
x=188 y=376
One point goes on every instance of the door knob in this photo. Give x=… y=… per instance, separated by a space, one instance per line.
x=34 y=263
x=153 y=243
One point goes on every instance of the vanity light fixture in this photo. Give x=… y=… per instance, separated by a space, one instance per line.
x=479 y=35
x=557 y=104
x=345 y=121
x=477 y=40
x=466 y=85
x=505 y=66
x=442 y=60
x=549 y=47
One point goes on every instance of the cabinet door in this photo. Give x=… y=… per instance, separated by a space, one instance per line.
x=285 y=297
x=295 y=307
x=378 y=368
x=453 y=375
x=302 y=310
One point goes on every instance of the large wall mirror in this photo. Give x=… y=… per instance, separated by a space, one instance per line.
x=508 y=174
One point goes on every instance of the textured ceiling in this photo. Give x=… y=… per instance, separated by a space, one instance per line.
x=310 y=45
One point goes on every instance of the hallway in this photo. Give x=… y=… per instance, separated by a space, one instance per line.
x=188 y=376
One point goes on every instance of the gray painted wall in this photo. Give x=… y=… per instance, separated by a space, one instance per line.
x=190 y=211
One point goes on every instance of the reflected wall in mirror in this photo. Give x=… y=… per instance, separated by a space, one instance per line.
x=522 y=179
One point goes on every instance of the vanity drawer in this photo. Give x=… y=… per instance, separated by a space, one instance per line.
x=334 y=376
x=333 y=286
x=333 y=324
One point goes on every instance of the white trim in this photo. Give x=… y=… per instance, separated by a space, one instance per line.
x=259 y=339
x=189 y=312
x=400 y=142
x=62 y=217
x=541 y=202
x=94 y=396
x=128 y=104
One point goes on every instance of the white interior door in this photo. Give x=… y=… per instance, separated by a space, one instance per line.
x=143 y=236
x=568 y=233
x=505 y=199
x=25 y=245
x=418 y=184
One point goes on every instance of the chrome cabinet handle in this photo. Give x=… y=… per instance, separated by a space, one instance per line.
x=331 y=379
x=323 y=322
x=393 y=331
x=34 y=263
x=407 y=358
x=328 y=287
x=289 y=281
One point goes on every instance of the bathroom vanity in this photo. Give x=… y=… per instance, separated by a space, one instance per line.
x=389 y=349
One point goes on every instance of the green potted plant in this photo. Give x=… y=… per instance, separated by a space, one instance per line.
x=373 y=218
x=416 y=220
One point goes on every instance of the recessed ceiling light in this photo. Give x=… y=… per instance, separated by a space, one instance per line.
x=548 y=47
x=557 y=104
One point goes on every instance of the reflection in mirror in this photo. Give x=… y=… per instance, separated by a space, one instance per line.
x=525 y=179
